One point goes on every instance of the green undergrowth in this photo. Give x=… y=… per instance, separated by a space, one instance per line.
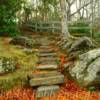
x=26 y=64
x=18 y=78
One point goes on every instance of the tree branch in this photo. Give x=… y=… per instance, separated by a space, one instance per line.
x=82 y=7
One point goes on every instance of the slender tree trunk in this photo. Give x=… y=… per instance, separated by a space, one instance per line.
x=69 y=13
x=64 y=22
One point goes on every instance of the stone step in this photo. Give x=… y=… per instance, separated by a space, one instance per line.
x=43 y=74
x=46 y=51
x=47 y=54
x=47 y=67
x=46 y=47
x=45 y=91
x=50 y=80
x=47 y=62
x=48 y=59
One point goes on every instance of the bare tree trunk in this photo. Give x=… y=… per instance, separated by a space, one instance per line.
x=64 y=21
x=69 y=13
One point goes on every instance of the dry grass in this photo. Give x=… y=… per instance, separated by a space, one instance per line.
x=26 y=63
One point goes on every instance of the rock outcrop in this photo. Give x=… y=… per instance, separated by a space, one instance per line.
x=87 y=68
x=76 y=46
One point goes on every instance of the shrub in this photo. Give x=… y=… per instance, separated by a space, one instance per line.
x=8 y=16
x=97 y=36
x=9 y=29
x=81 y=27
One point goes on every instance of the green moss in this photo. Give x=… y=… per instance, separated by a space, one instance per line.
x=26 y=65
x=8 y=81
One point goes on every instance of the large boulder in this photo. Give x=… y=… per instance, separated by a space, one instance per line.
x=77 y=46
x=82 y=43
x=87 y=68
x=23 y=41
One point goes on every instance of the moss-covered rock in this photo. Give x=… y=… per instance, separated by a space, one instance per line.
x=87 y=68
x=23 y=41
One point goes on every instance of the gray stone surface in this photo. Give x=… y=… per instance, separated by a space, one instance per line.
x=44 y=91
x=47 y=62
x=82 y=43
x=47 y=67
x=45 y=47
x=87 y=67
x=46 y=50
x=43 y=74
x=47 y=54
x=50 y=80
x=48 y=59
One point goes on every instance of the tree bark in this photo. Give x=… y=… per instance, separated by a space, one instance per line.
x=65 y=32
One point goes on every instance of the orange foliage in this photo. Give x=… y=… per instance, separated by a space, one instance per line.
x=19 y=94
x=62 y=59
x=69 y=91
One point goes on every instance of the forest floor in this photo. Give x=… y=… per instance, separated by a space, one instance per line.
x=68 y=91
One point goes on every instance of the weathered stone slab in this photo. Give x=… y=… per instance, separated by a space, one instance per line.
x=48 y=59
x=46 y=62
x=50 y=80
x=47 y=54
x=44 y=91
x=47 y=67
x=46 y=50
x=46 y=47
x=43 y=74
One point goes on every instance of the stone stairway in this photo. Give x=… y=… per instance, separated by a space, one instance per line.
x=48 y=79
